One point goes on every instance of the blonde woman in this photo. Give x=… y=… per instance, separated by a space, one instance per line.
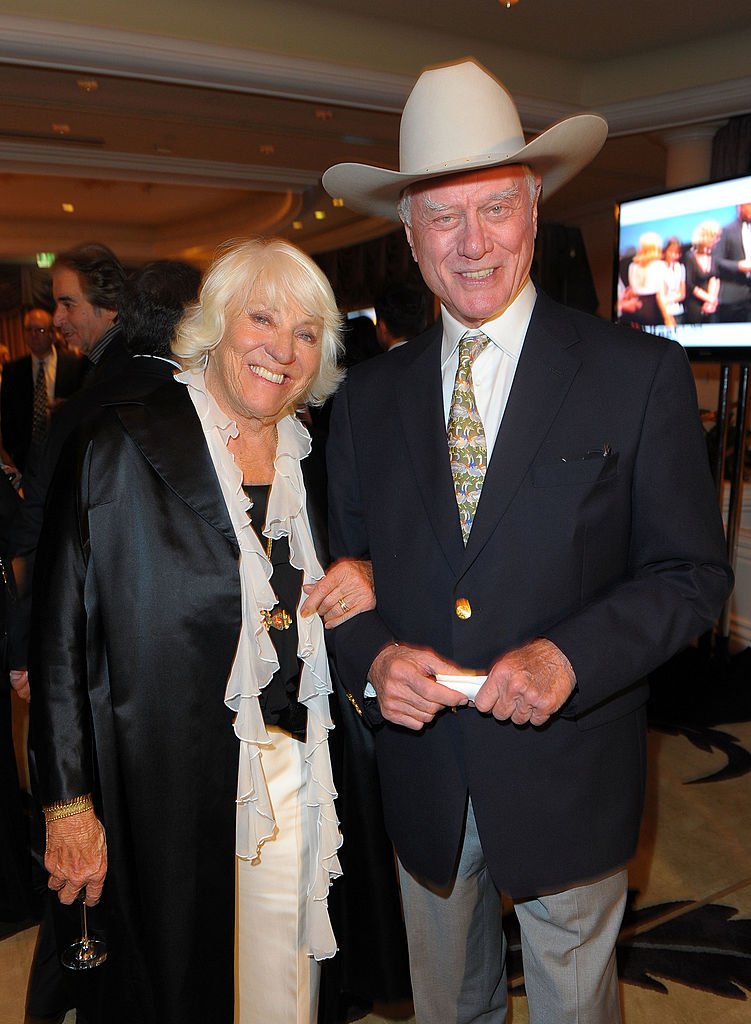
x=181 y=687
x=702 y=282
x=647 y=281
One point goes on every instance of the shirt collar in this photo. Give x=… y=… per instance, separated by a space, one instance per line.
x=164 y=359
x=98 y=350
x=50 y=361
x=506 y=331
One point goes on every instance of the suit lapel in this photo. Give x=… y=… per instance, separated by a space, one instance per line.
x=547 y=367
x=168 y=433
x=420 y=399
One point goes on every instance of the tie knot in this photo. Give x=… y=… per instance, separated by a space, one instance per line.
x=471 y=345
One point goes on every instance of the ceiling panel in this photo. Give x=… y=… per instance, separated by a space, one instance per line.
x=157 y=167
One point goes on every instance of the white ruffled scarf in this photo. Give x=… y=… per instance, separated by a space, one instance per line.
x=256 y=661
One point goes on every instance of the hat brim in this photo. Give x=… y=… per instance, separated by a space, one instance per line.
x=557 y=155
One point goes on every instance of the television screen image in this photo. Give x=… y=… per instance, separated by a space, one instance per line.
x=683 y=267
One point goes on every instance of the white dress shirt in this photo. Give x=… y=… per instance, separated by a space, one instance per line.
x=497 y=361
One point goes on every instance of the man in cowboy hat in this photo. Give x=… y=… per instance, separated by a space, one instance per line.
x=560 y=546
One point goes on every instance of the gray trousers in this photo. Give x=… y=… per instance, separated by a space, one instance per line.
x=457 y=950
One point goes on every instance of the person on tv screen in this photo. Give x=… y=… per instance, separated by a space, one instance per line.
x=646 y=278
x=733 y=258
x=702 y=282
x=675 y=279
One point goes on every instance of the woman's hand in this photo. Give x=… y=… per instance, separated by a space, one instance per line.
x=345 y=591
x=76 y=856
x=19 y=680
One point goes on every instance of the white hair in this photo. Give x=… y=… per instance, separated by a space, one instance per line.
x=273 y=271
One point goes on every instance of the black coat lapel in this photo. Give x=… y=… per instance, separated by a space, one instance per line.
x=547 y=367
x=166 y=429
x=420 y=399
x=314 y=478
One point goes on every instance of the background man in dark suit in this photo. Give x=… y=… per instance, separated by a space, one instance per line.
x=733 y=258
x=532 y=487
x=86 y=284
x=400 y=315
x=33 y=384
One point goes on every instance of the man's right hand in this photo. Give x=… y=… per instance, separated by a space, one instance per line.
x=404 y=680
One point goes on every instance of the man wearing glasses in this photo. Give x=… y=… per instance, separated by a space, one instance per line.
x=32 y=385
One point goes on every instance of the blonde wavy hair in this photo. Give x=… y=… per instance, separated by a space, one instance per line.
x=706 y=234
x=274 y=273
x=650 y=248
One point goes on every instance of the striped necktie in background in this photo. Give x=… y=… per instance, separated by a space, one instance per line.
x=466 y=435
x=39 y=414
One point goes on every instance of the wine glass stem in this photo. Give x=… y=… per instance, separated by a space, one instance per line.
x=84 y=926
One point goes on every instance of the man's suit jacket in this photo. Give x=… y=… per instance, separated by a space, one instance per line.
x=117 y=375
x=17 y=400
x=735 y=286
x=99 y=383
x=597 y=528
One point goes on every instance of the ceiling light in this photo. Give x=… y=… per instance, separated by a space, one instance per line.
x=508 y=3
x=61 y=129
x=324 y=115
x=319 y=214
x=297 y=225
x=45 y=259
x=88 y=84
x=266 y=149
x=68 y=208
x=337 y=202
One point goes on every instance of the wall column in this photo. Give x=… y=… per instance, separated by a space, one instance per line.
x=689 y=153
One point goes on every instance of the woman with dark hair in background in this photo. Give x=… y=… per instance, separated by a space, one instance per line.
x=674 y=280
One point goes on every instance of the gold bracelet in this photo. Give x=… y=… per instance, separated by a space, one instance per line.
x=67 y=808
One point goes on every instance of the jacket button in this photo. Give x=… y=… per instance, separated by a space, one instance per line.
x=463 y=608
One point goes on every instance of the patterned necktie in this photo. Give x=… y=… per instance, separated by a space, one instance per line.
x=466 y=435
x=39 y=415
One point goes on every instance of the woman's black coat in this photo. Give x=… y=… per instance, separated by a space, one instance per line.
x=136 y=621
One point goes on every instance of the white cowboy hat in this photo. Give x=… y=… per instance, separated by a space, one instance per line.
x=458 y=117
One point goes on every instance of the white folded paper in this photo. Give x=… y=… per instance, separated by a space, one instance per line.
x=468 y=685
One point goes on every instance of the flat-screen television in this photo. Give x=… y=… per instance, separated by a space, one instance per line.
x=683 y=268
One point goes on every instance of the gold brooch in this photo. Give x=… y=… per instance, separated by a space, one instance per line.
x=277 y=618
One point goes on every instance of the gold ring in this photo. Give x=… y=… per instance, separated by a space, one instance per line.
x=343 y=605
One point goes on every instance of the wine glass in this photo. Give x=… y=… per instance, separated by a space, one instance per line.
x=88 y=951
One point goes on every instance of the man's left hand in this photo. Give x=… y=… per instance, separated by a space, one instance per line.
x=528 y=684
